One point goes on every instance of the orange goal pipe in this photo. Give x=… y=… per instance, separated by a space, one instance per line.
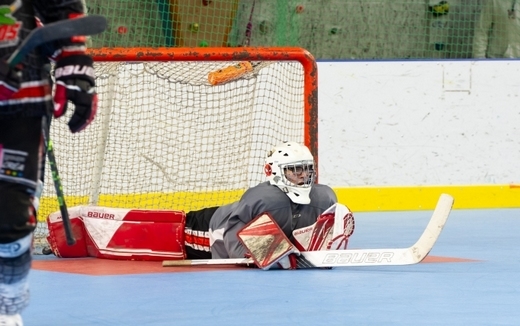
x=235 y=54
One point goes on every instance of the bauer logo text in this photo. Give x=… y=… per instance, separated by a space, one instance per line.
x=107 y=216
x=74 y=70
x=361 y=258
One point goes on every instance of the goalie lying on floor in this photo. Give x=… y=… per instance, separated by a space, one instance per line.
x=271 y=223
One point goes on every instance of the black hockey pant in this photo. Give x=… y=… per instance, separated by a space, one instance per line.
x=21 y=154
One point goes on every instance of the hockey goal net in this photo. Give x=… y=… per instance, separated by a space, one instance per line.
x=166 y=138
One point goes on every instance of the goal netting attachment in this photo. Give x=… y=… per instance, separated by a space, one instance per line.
x=182 y=128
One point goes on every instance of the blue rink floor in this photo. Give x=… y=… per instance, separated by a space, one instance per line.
x=483 y=288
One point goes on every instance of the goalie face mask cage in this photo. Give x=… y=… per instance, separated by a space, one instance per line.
x=298 y=174
x=290 y=167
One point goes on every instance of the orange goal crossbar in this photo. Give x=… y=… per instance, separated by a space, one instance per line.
x=235 y=54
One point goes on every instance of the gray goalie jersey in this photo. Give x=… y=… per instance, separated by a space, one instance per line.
x=229 y=219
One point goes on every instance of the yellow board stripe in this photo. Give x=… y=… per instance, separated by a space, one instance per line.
x=362 y=199
x=358 y=199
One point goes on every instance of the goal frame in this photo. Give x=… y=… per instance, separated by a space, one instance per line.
x=310 y=109
x=218 y=54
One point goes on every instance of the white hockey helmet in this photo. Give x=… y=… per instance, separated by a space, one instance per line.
x=291 y=160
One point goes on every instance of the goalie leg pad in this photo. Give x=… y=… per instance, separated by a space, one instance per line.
x=124 y=234
x=57 y=237
x=15 y=264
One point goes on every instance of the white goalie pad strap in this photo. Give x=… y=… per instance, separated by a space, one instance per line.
x=265 y=241
x=115 y=233
x=330 y=232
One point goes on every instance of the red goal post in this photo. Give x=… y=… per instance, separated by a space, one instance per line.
x=166 y=138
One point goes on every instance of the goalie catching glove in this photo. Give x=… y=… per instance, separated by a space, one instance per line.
x=75 y=82
x=10 y=80
x=331 y=231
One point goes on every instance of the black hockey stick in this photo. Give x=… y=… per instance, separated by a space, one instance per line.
x=87 y=25
x=57 y=184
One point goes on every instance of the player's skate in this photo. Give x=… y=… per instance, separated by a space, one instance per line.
x=11 y=320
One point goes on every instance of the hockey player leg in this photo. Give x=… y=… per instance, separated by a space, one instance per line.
x=16 y=230
x=15 y=264
x=20 y=154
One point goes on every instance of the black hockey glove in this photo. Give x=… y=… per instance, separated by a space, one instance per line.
x=75 y=82
x=10 y=80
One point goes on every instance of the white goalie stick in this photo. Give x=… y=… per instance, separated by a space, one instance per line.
x=357 y=257
x=86 y=25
